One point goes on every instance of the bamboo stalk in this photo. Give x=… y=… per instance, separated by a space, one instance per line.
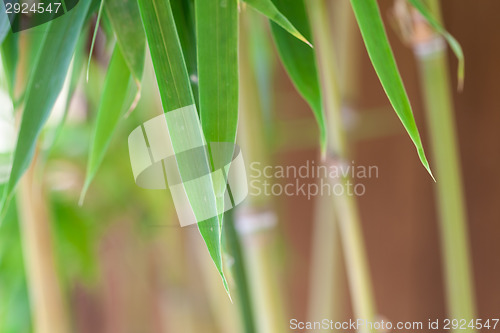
x=47 y=300
x=255 y=222
x=345 y=205
x=430 y=52
x=239 y=273
x=325 y=292
x=326 y=276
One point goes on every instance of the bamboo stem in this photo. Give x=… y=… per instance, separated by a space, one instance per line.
x=255 y=222
x=345 y=205
x=244 y=298
x=47 y=300
x=431 y=56
x=325 y=292
x=326 y=276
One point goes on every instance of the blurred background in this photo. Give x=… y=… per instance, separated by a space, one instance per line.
x=124 y=265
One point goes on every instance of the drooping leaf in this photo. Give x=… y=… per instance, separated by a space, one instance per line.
x=454 y=45
x=217 y=54
x=299 y=59
x=183 y=11
x=175 y=90
x=267 y=8
x=217 y=47
x=126 y=23
x=112 y=106
x=45 y=83
x=76 y=71
x=372 y=29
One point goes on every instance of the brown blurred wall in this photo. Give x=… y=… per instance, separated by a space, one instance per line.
x=398 y=211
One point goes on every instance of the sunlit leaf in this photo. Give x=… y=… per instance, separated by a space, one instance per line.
x=372 y=29
x=217 y=46
x=217 y=50
x=175 y=91
x=267 y=8
x=112 y=106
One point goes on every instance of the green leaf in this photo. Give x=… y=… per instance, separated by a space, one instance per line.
x=126 y=23
x=217 y=54
x=454 y=45
x=175 y=90
x=372 y=29
x=10 y=55
x=267 y=8
x=94 y=36
x=44 y=86
x=300 y=61
x=112 y=106
x=217 y=46
x=183 y=11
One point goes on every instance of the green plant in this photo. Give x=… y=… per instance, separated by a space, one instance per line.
x=193 y=46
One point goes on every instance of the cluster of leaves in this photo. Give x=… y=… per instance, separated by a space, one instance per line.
x=194 y=51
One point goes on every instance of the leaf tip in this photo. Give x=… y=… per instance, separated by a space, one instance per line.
x=425 y=163
x=84 y=192
x=461 y=78
x=301 y=37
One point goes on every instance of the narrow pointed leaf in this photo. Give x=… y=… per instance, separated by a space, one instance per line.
x=217 y=47
x=217 y=54
x=372 y=29
x=10 y=50
x=267 y=8
x=76 y=67
x=454 y=44
x=183 y=11
x=126 y=23
x=44 y=86
x=113 y=104
x=175 y=90
x=299 y=60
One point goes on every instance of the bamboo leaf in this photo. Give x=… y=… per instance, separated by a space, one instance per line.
x=454 y=44
x=10 y=50
x=267 y=8
x=173 y=82
x=217 y=54
x=126 y=23
x=217 y=47
x=300 y=61
x=183 y=12
x=372 y=29
x=112 y=106
x=45 y=83
x=76 y=67
x=94 y=36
